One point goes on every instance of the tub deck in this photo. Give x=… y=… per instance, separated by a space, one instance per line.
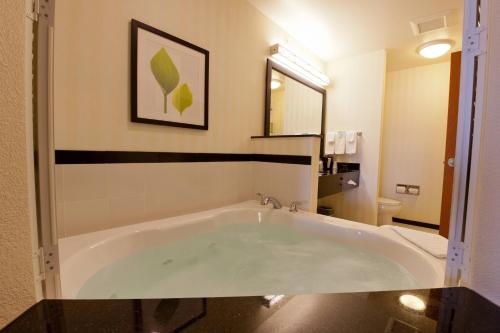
x=84 y=255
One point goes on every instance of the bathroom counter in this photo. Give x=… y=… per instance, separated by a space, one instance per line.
x=447 y=310
x=347 y=178
x=329 y=184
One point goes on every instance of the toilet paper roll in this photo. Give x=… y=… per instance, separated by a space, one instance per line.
x=401 y=189
x=413 y=190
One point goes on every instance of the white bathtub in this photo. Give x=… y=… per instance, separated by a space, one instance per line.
x=83 y=256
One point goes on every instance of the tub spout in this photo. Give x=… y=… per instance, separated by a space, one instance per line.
x=274 y=201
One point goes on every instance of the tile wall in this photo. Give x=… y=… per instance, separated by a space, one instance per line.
x=92 y=197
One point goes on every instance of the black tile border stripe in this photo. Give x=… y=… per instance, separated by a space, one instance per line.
x=286 y=136
x=416 y=223
x=287 y=159
x=110 y=157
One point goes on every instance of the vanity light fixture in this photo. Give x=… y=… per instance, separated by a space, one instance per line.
x=412 y=302
x=287 y=58
x=275 y=84
x=435 y=49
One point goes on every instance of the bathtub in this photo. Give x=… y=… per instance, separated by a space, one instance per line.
x=242 y=250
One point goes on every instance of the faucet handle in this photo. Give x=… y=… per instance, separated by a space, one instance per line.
x=294 y=206
x=262 y=198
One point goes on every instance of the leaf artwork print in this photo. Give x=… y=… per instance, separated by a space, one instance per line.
x=182 y=98
x=165 y=73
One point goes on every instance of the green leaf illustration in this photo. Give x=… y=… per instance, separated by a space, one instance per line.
x=182 y=98
x=165 y=73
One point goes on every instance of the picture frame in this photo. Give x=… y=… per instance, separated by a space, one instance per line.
x=169 y=79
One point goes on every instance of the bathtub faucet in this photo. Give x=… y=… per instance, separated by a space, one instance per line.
x=274 y=201
x=262 y=198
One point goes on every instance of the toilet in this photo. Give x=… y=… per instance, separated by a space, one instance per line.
x=387 y=208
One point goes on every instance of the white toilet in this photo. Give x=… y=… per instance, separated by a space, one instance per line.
x=387 y=208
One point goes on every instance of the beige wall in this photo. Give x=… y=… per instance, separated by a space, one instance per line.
x=92 y=72
x=355 y=102
x=92 y=197
x=17 y=288
x=414 y=138
x=485 y=267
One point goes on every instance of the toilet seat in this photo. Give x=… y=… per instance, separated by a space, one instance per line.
x=387 y=209
x=388 y=202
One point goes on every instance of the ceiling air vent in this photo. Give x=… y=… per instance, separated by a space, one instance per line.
x=430 y=23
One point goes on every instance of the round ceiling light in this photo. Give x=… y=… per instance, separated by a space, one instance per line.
x=412 y=302
x=275 y=84
x=435 y=49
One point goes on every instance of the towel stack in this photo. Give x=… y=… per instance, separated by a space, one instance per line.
x=341 y=142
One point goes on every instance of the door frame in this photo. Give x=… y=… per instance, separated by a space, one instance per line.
x=472 y=81
x=451 y=140
x=43 y=115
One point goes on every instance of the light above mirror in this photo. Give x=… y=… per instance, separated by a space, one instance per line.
x=275 y=84
x=287 y=58
x=435 y=49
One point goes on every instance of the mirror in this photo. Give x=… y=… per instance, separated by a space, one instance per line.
x=293 y=105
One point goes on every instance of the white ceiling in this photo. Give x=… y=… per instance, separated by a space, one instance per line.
x=334 y=29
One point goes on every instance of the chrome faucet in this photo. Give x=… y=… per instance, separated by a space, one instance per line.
x=262 y=198
x=274 y=201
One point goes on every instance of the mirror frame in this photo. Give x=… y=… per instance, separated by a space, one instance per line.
x=271 y=65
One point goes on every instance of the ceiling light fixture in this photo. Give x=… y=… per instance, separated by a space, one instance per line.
x=285 y=57
x=435 y=49
x=275 y=84
x=412 y=302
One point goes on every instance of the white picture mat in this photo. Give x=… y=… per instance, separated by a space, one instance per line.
x=191 y=67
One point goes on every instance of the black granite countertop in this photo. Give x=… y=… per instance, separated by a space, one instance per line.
x=447 y=310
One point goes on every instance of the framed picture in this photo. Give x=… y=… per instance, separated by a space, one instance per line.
x=169 y=79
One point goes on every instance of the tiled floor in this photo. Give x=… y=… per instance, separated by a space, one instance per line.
x=432 y=231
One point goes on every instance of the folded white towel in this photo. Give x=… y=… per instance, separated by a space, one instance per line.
x=351 y=142
x=340 y=142
x=330 y=137
x=435 y=245
x=330 y=143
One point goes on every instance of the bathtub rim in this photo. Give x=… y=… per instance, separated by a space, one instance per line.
x=72 y=246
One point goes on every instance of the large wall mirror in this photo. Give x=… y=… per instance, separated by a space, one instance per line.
x=294 y=107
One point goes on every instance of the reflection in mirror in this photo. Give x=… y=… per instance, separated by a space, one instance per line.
x=294 y=106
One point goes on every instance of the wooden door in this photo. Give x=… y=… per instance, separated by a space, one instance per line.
x=451 y=138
